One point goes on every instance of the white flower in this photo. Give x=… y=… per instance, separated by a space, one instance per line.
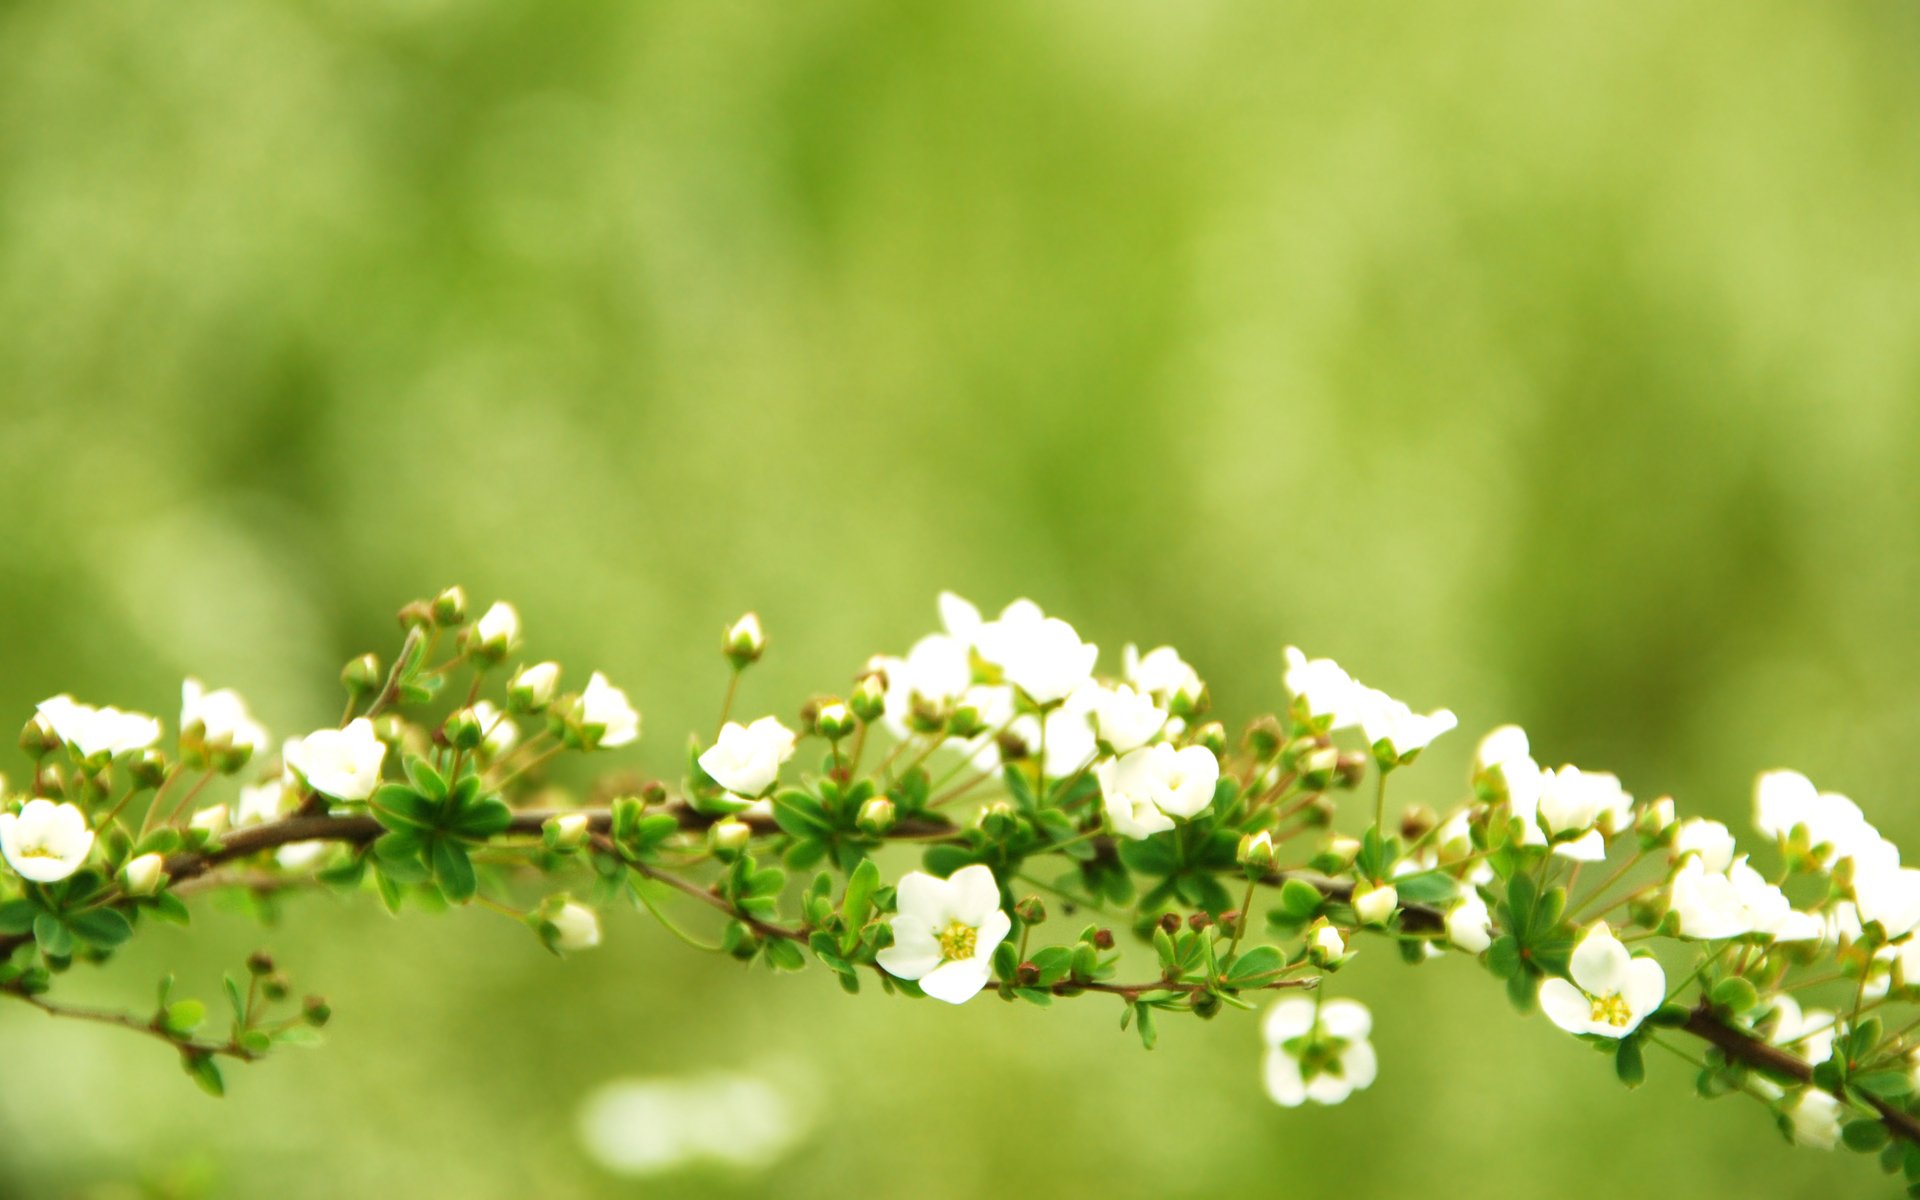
x=1373 y=905
x=1709 y=841
x=1469 y=924
x=531 y=688
x=1397 y=733
x=298 y=856
x=945 y=931
x=1040 y=655
x=44 y=841
x=1145 y=790
x=1808 y=1034
x=143 y=874
x=217 y=723
x=498 y=628
x=746 y=759
x=1503 y=768
x=1318 y=1053
x=1326 y=945
x=341 y=763
x=1888 y=895
x=1611 y=992
x=1330 y=697
x=575 y=927
x=1814 y=1119
x=1125 y=719
x=498 y=735
x=267 y=802
x=1768 y=909
x=1707 y=903
x=1069 y=742
x=94 y=732
x=1572 y=801
x=1787 y=800
x=603 y=707
x=1163 y=674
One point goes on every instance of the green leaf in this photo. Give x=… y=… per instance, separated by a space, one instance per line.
x=800 y=814
x=169 y=907
x=1866 y=1135
x=1629 y=1063
x=1735 y=994
x=1300 y=900
x=103 y=927
x=482 y=819
x=182 y=1017
x=56 y=941
x=16 y=917
x=784 y=955
x=1143 y=1018
x=429 y=782
x=206 y=1073
x=1019 y=787
x=1254 y=966
x=1425 y=887
x=1888 y=1085
x=453 y=870
x=857 y=905
x=1054 y=963
x=1520 y=900
x=399 y=807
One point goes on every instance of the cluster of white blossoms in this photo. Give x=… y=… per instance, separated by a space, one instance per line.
x=1219 y=868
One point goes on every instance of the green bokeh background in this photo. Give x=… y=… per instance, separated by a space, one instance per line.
x=1554 y=362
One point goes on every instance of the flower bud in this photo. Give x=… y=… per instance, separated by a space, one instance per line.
x=729 y=836
x=417 y=614
x=876 y=816
x=1657 y=822
x=1416 y=822
x=1212 y=735
x=275 y=987
x=450 y=607
x=565 y=831
x=260 y=962
x=1325 y=945
x=1031 y=910
x=965 y=722
x=37 y=738
x=462 y=729
x=997 y=819
x=1103 y=938
x=1256 y=852
x=834 y=720
x=926 y=716
x=531 y=689
x=744 y=642
x=869 y=699
x=1199 y=920
x=1374 y=903
x=495 y=634
x=143 y=876
x=212 y=820
x=148 y=768
x=1170 y=922
x=1352 y=770
x=573 y=927
x=1263 y=739
x=1317 y=767
x=361 y=675
x=316 y=1010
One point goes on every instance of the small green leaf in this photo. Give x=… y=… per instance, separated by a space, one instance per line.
x=1254 y=966
x=103 y=927
x=1866 y=1135
x=56 y=940
x=1629 y=1063
x=429 y=782
x=16 y=917
x=206 y=1073
x=453 y=870
x=1300 y=900
x=1735 y=994
x=784 y=955
x=857 y=905
x=182 y=1017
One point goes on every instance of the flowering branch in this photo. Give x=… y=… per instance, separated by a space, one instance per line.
x=1226 y=867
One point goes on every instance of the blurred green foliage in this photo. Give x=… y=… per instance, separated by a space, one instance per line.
x=1553 y=362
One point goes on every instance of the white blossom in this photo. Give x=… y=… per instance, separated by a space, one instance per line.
x=1808 y=1034
x=1126 y=719
x=531 y=688
x=93 y=732
x=214 y=820
x=1145 y=790
x=1162 y=674
x=1814 y=1119
x=1395 y=731
x=267 y=801
x=1709 y=841
x=45 y=841
x=498 y=733
x=1042 y=656
x=1331 y=698
x=603 y=707
x=1611 y=992
x=498 y=629
x=945 y=931
x=218 y=722
x=1373 y=904
x=1317 y=1051
x=143 y=874
x=746 y=759
x=1784 y=801
x=341 y=763
x=1888 y=895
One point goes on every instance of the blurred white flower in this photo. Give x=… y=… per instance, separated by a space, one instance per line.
x=143 y=874
x=1808 y=1034
x=1611 y=992
x=218 y=724
x=1042 y=656
x=341 y=763
x=1126 y=719
x=945 y=931
x=607 y=720
x=1317 y=1052
x=1162 y=674
x=1142 y=792
x=531 y=688
x=498 y=733
x=1329 y=696
x=498 y=629
x=575 y=927
x=1709 y=841
x=1784 y=801
x=1814 y=1119
x=1469 y=924
x=1374 y=903
x=45 y=842
x=268 y=801
x=746 y=759
x=94 y=732
x=645 y=1127
x=1888 y=895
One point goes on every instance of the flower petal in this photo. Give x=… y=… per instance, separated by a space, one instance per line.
x=924 y=897
x=1289 y=1018
x=1284 y=1083
x=1646 y=987
x=955 y=982
x=975 y=894
x=1599 y=963
x=1346 y=1019
x=1566 y=1006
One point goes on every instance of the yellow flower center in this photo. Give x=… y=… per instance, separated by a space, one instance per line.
x=957 y=942
x=1612 y=1009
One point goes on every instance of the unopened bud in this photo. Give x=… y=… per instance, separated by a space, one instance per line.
x=1317 y=766
x=997 y=818
x=417 y=614
x=1103 y=938
x=729 y=836
x=834 y=720
x=869 y=699
x=531 y=689
x=1374 y=903
x=1198 y=921
x=495 y=634
x=260 y=962
x=450 y=607
x=925 y=715
x=1212 y=735
x=1032 y=910
x=275 y=987
x=744 y=642
x=37 y=737
x=148 y=768
x=361 y=675
x=462 y=729
x=1170 y=922
x=1417 y=822
x=1657 y=822
x=1263 y=739
x=143 y=876
x=1026 y=974
x=213 y=820
x=316 y=1010
x=1256 y=852
x=876 y=816
x=1325 y=945
x=565 y=831
x=1352 y=769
